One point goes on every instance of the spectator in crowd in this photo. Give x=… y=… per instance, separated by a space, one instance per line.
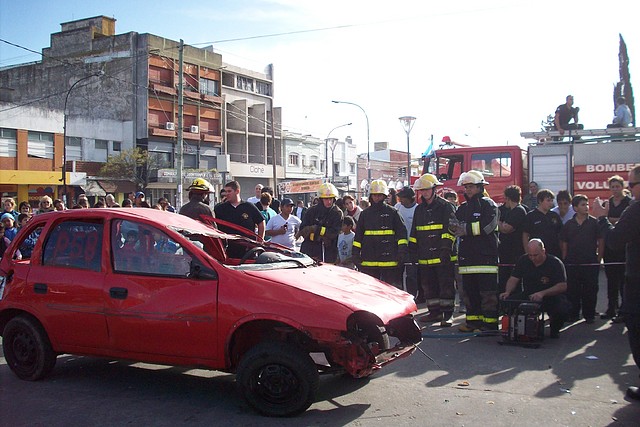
x=345 y=243
x=46 y=205
x=564 y=209
x=300 y=209
x=380 y=243
x=110 y=201
x=582 y=248
x=127 y=203
x=266 y=212
x=392 y=198
x=351 y=208
x=431 y=246
x=510 y=225
x=25 y=207
x=364 y=204
x=198 y=205
x=140 y=197
x=5 y=241
x=321 y=226
x=340 y=205
x=240 y=213
x=406 y=208
x=83 y=202
x=544 y=281
x=451 y=197
x=58 y=205
x=9 y=205
x=626 y=234
x=23 y=219
x=614 y=258
x=275 y=203
x=475 y=224
x=282 y=228
x=530 y=200
x=256 y=199
x=622 y=116
x=165 y=205
x=543 y=224
x=9 y=222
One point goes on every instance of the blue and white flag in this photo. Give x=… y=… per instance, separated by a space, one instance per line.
x=428 y=153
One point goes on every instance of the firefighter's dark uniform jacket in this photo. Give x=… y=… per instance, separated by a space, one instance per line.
x=478 y=249
x=430 y=238
x=381 y=237
x=325 y=225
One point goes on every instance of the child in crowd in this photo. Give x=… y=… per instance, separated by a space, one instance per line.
x=9 y=222
x=345 y=243
x=23 y=219
x=5 y=242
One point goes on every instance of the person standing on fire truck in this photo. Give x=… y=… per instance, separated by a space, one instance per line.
x=380 y=243
x=431 y=245
x=476 y=222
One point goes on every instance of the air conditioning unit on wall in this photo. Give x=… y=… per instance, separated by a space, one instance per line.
x=170 y=126
x=194 y=129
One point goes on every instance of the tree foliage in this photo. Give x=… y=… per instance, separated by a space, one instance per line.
x=134 y=165
x=623 y=87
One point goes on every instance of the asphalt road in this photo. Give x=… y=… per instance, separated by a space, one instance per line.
x=578 y=380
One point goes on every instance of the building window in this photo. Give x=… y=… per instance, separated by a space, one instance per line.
x=313 y=162
x=352 y=168
x=263 y=88
x=40 y=144
x=244 y=83
x=74 y=148
x=209 y=87
x=117 y=146
x=336 y=168
x=8 y=143
x=304 y=160
x=294 y=159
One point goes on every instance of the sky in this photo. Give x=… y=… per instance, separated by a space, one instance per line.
x=479 y=71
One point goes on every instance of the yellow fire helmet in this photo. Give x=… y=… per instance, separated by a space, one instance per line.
x=472 y=177
x=328 y=191
x=426 y=182
x=378 y=186
x=201 y=184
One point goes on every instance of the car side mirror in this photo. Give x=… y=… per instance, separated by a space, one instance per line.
x=198 y=271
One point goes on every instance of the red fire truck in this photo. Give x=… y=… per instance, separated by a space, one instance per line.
x=581 y=166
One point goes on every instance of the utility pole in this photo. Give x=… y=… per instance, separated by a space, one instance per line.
x=180 y=142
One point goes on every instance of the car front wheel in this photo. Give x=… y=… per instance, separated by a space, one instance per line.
x=278 y=379
x=27 y=348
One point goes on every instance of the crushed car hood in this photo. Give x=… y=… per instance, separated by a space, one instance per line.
x=355 y=290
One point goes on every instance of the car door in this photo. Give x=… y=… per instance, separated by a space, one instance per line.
x=153 y=307
x=66 y=282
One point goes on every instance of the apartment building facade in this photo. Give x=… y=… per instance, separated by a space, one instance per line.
x=120 y=91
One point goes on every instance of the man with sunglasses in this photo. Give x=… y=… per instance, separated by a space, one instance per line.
x=626 y=233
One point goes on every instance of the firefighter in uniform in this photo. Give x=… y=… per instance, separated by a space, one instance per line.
x=321 y=226
x=475 y=223
x=380 y=243
x=431 y=245
x=198 y=204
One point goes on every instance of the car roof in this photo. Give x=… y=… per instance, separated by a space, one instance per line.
x=158 y=217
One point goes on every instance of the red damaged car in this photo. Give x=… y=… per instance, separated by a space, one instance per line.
x=151 y=286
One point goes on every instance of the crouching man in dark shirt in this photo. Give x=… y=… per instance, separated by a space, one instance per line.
x=544 y=280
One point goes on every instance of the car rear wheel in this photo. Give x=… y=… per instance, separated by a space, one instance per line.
x=278 y=379
x=27 y=349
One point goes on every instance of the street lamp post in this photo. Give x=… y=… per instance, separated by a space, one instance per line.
x=407 y=123
x=326 y=149
x=333 y=142
x=65 y=199
x=368 y=142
